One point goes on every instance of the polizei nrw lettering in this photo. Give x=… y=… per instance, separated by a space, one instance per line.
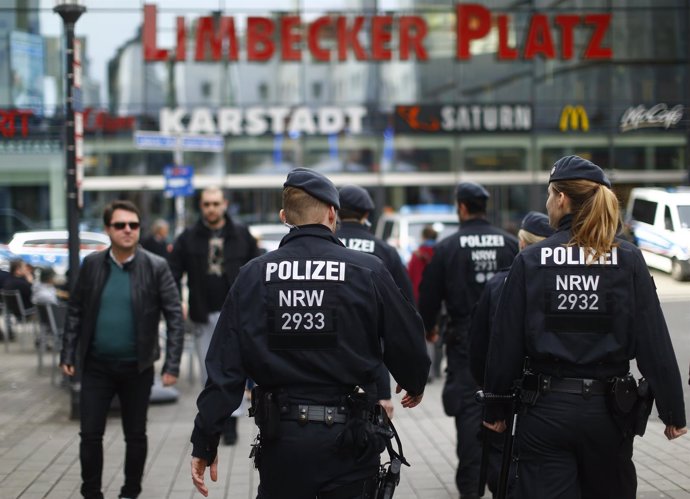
x=482 y=241
x=300 y=298
x=575 y=255
x=305 y=270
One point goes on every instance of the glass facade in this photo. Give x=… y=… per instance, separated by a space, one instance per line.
x=405 y=97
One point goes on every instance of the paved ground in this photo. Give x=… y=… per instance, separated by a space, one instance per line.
x=39 y=446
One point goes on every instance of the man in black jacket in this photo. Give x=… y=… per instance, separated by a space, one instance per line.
x=112 y=332
x=211 y=253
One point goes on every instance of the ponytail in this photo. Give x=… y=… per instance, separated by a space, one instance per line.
x=596 y=215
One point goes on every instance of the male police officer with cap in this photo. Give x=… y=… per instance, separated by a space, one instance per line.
x=355 y=206
x=461 y=266
x=306 y=323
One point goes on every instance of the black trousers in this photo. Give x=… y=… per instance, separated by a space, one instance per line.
x=459 y=401
x=569 y=447
x=306 y=460
x=100 y=382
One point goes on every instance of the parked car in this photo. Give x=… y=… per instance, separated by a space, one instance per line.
x=659 y=223
x=48 y=248
x=403 y=230
x=268 y=236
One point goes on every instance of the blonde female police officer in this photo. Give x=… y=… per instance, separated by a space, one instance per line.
x=579 y=306
x=306 y=321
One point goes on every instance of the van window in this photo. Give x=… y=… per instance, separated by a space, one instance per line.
x=668 y=221
x=387 y=230
x=684 y=216
x=644 y=211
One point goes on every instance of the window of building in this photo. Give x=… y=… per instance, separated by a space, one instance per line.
x=263 y=92
x=481 y=159
x=316 y=90
x=206 y=87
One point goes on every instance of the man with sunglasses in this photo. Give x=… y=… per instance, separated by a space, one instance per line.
x=211 y=253
x=112 y=333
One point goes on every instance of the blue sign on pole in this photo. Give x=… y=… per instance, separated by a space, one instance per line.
x=178 y=180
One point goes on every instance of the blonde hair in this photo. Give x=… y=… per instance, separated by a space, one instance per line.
x=596 y=215
x=301 y=208
x=528 y=237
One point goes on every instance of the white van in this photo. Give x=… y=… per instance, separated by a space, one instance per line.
x=659 y=222
x=403 y=230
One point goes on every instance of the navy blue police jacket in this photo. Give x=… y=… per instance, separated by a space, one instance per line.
x=482 y=320
x=356 y=236
x=308 y=318
x=579 y=320
x=462 y=264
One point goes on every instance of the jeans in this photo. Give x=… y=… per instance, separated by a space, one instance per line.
x=101 y=380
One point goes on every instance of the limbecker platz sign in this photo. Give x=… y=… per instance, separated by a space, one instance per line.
x=339 y=37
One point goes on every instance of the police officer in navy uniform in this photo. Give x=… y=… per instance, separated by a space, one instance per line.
x=579 y=306
x=462 y=264
x=306 y=322
x=533 y=229
x=355 y=206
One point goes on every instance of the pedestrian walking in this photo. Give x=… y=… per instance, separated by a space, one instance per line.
x=576 y=308
x=462 y=264
x=306 y=321
x=157 y=241
x=112 y=333
x=211 y=253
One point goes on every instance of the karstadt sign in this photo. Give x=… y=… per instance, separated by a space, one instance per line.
x=261 y=120
x=339 y=37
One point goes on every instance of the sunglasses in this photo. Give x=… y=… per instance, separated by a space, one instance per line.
x=122 y=225
x=206 y=204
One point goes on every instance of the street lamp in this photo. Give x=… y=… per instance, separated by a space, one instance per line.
x=70 y=11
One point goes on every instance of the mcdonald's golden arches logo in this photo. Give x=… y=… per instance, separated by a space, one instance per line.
x=574 y=118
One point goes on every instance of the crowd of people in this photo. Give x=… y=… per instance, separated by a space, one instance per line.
x=550 y=318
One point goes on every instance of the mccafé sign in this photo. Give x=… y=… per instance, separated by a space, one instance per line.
x=339 y=37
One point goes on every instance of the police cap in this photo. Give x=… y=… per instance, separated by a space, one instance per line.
x=355 y=198
x=537 y=224
x=577 y=168
x=470 y=190
x=314 y=184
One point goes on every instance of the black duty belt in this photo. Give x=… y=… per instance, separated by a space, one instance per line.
x=577 y=386
x=304 y=414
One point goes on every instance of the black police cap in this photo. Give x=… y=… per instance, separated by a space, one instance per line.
x=314 y=184
x=577 y=168
x=355 y=198
x=470 y=190
x=537 y=224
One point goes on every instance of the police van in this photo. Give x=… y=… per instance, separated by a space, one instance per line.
x=659 y=222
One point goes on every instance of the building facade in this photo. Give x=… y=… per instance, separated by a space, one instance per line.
x=406 y=97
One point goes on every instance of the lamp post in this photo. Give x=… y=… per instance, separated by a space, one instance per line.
x=70 y=11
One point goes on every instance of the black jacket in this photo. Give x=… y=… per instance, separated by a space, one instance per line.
x=579 y=320
x=356 y=236
x=153 y=291
x=190 y=256
x=309 y=317
x=461 y=266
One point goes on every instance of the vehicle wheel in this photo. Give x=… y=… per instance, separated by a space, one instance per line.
x=678 y=270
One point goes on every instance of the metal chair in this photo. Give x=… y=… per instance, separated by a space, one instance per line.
x=14 y=307
x=51 y=320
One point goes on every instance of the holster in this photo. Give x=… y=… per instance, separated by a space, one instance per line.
x=643 y=407
x=265 y=409
x=630 y=404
